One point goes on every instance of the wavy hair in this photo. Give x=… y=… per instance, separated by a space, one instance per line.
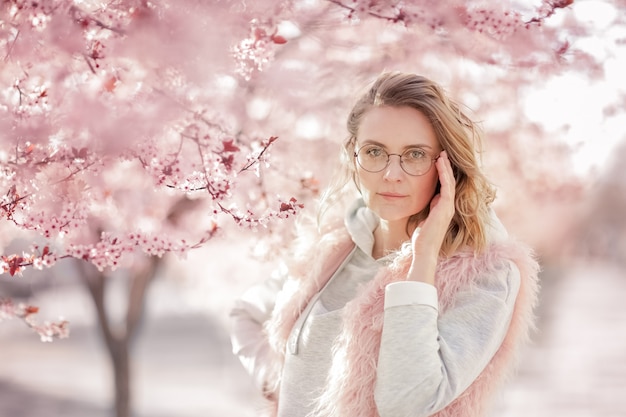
x=457 y=134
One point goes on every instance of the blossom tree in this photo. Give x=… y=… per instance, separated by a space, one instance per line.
x=132 y=129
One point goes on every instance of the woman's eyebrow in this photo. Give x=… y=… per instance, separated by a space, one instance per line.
x=417 y=145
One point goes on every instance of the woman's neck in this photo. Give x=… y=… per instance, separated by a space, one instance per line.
x=388 y=237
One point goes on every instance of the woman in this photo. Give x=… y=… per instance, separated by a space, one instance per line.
x=416 y=305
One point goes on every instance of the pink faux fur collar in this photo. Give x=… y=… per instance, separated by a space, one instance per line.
x=356 y=349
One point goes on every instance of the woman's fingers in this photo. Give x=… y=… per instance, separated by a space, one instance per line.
x=434 y=227
x=447 y=183
x=430 y=233
x=446 y=174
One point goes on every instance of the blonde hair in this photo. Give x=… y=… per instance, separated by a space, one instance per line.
x=457 y=134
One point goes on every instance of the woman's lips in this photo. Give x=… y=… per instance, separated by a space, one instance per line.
x=391 y=195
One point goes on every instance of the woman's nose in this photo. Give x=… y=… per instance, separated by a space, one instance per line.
x=393 y=171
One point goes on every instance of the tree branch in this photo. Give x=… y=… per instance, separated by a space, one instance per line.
x=137 y=296
x=95 y=282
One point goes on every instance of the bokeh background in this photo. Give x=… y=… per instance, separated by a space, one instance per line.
x=554 y=147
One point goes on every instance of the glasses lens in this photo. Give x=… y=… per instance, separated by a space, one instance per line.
x=372 y=158
x=416 y=161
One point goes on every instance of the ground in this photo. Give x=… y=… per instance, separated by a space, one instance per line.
x=183 y=365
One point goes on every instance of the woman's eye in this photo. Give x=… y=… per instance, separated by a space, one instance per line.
x=375 y=152
x=415 y=154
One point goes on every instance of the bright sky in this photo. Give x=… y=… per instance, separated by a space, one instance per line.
x=574 y=101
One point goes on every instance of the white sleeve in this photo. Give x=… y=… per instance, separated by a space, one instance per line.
x=410 y=293
x=428 y=359
x=248 y=337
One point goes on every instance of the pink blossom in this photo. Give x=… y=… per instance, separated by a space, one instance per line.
x=125 y=127
x=47 y=331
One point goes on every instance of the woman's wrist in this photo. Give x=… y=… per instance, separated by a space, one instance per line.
x=422 y=271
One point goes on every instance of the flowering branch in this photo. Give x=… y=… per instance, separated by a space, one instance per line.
x=547 y=9
x=258 y=157
x=353 y=11
x=84 y=19
x=12 y=45
x=107 y=252
x=46 y=331
x=255 y=52
x=481 y=20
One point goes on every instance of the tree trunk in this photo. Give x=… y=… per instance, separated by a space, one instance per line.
x=118 y=337
x=120 y=358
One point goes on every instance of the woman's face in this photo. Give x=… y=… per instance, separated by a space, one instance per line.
x=391 y=193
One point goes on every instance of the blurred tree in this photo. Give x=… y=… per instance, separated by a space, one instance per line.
x=130 y=129
x=600 y=233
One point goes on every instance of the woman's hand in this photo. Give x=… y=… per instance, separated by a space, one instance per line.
x=428 y=236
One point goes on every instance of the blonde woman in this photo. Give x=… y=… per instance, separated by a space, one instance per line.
x=414 y=305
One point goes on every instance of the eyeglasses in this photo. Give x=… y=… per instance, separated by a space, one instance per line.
x=414 y=161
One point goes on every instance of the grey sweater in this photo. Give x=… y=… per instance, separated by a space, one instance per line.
x=404 y=382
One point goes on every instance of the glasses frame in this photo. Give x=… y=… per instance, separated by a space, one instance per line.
x=389 y=155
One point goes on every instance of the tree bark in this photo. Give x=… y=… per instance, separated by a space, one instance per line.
x=118 y=337
x=120 y=358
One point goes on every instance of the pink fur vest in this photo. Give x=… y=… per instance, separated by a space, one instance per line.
x=359 y=342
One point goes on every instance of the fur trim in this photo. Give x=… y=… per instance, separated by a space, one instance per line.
x=350 y=388
x=478 y=396
x=295 y=296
